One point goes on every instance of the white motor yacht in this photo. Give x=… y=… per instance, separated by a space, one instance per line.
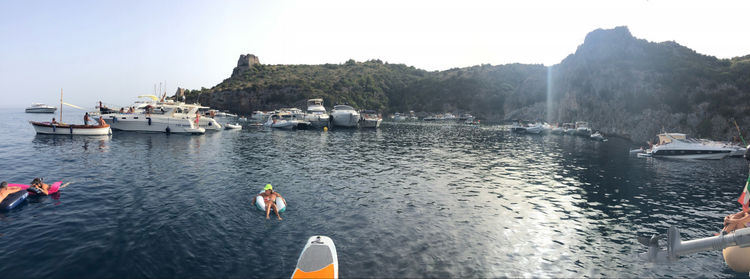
x=40 y=108
x=517 y=127
x=582 y=129
x=160 y=119
x=344 y=116
x=370 y=119
x=317 y=114
x=284 y=119
x=676 y=145
x=534 y=128
x=399 y=117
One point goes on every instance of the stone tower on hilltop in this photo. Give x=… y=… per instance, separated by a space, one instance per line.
x=244 y=63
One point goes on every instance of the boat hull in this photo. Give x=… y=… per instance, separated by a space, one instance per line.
x=41 y=110
x=345 y=119
x=691 y=154
x=370 y=123
x=318 y=120
x=209 y=124
x=141 y=123
x=47 y=128
x=534 y=129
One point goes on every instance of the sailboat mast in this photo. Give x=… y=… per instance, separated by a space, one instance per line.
x=61 y=105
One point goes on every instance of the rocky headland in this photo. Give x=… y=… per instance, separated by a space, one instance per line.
x=620 y=84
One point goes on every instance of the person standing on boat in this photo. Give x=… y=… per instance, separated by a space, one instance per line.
x=6 y=190
x=86 y=119
x=53 y=121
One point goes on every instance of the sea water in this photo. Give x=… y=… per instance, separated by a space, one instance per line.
x=405 y=200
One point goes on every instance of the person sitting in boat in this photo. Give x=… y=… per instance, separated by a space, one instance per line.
x=38 y=186
x=86 y=119
x=53 y=121
x=6 y=190
x=101 y=121
x=269 y=197
x=122 y=110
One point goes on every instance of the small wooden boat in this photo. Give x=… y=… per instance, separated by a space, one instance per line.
x=49 y=128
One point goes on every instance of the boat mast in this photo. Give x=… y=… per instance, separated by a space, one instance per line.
x=61 y=102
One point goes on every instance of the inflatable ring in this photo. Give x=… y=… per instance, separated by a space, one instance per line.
x=261 y=204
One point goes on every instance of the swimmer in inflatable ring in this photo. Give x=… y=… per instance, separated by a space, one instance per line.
x=269 y=197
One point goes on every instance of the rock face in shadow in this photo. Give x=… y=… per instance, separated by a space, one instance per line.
x=619 y=84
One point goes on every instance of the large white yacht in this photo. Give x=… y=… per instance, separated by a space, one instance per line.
x=164 y=119
x=677 y=145
x=344 y=116
x=317 y=114
x=40 y=108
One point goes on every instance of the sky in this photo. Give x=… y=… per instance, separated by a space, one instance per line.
x=114 y=51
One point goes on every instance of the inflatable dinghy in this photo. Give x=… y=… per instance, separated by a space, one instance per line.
x=318 y=259
x=13 y=200
x=230 y=126
x=261 y=204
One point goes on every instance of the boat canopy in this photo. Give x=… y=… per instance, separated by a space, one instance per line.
x=152 y=97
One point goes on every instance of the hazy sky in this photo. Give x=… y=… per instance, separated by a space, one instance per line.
x=113 y=51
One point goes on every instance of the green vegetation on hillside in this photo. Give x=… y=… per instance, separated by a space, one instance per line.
x=618 y=83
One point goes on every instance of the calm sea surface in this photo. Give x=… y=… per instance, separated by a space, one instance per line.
x=407 y=200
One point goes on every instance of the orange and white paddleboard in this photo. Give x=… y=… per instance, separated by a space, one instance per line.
x=318 y=259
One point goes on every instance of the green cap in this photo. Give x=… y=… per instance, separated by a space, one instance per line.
x=268 y=187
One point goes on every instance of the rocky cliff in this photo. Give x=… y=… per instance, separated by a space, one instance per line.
x=620 y=84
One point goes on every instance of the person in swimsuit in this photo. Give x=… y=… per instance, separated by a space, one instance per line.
x=40 y=186
x=269 y=197
x=6 y=190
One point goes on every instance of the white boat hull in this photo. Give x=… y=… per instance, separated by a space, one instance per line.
x=318 y=120
x=583 y=132
x=140 y=123
x=714 y=156
x=209 y=124
x=41 y=110
x=83 y=130
x=534 y=129
x=370 y=123
x=345 y=119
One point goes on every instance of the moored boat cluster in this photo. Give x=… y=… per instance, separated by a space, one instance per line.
x=580 y=128
x=168 y=116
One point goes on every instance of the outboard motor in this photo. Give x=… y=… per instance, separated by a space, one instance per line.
x=747 y=153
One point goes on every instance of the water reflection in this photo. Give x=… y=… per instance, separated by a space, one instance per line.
x=405 y=200
x=72 y=143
